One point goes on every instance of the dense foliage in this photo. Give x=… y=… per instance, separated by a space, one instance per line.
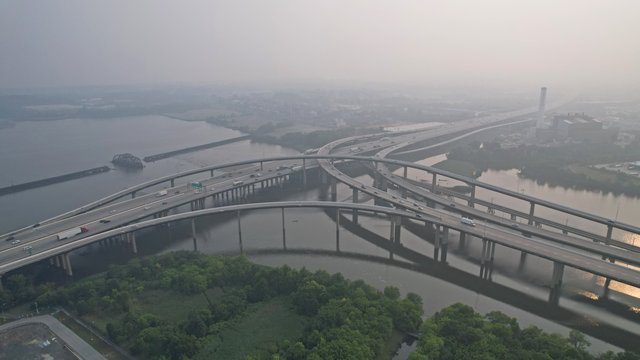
x=458 y=332
x=344 y=319
x=314 y=139
x=551 y=164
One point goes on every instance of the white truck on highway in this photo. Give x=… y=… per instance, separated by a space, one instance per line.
x=467 y=221
x=71 y=233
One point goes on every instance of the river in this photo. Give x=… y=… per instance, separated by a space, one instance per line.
x=33 y=150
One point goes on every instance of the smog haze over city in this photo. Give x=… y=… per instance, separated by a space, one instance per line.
x=320 y=179
x=572 y=43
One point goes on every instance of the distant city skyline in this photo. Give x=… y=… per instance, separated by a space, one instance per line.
x=570 y=43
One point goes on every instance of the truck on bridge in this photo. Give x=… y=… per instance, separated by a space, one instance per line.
x=71 y=233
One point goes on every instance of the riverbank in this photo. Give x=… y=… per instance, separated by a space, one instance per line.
x=569 y=166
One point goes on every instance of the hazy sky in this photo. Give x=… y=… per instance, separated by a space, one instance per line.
x=89 y=42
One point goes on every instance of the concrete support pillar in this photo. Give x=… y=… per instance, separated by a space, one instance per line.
x=405 y=172
x=354 y=212
x=532 y=208
x=436 y=243
x=173 y=182
x=609 y=232
x=605 y=290
x=338 y=230
x=396 y=223
x=444 y=244
x=261 y=166
x=556 y=283
x=134 y=243
x=323 y=177
x=284 y=233
x=523 y=259
x=304 y=172
x=67 y=262
x=193 y=234
x=483 y=258
x=513 y=217
x=334 y=189
x=463 y=241
x=211 y=173
x=472 y=198
x=133 y=195
x=433 y=181
x=57 y=261
x=239 y=233
x=492 y=253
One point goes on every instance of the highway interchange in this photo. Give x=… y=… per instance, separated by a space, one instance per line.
x=117 y=214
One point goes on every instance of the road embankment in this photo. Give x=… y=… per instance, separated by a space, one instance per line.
x=167 y=154
x=52 y=180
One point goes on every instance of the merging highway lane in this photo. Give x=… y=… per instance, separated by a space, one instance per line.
x=504 y=235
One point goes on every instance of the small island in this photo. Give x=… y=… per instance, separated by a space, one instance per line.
x=127 y=160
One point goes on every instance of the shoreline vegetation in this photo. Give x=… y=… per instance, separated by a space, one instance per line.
x=569 y=166
x=189 y=305
x=277 y=134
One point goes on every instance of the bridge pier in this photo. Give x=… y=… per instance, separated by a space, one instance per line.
x=556 y=283
x=193 y=234
x=284 y=233
x=513 y=217
x=532 y=207
x=444 y=244
x=473 y=196
x=173 y=182
x=463 y=240
x=405 y=172
x=605 y=289
x=239 y=233
x=354 y=212
x=323 y=177
x=334 y=189
x=132 y=240
x=485 y=258
x=337 y=230
x=436 y=243
x=211 y=172
x=133 y=194
x=433 y=182
x=304 y=173
x=609 y=233
x=523 y=259
x=261 y=166
x=67 y=264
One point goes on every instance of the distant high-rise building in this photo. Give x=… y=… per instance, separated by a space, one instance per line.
x=543 y=100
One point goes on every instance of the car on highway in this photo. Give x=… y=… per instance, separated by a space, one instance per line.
x=105 y=221
x=147 y=207
x=452 y=205
x=164 y=203
x=36 y=225
x=515 y=225
x=362 y=186
x=15 y=242
x=10 y=238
